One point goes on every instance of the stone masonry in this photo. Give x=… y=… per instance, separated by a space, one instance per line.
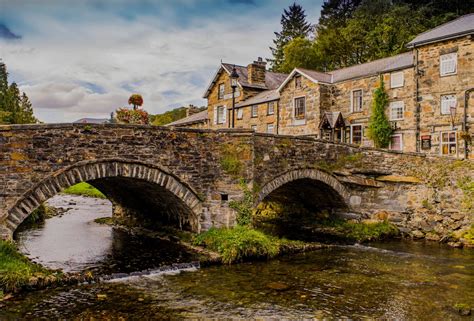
x=187 y=177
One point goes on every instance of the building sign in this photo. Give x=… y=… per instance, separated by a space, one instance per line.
x=426 y=142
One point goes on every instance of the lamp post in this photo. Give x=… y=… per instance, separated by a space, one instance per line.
x=233 y=83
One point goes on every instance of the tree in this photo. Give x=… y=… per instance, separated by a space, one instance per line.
x=136 y=100
x=379 y=129
x=335 y=13
x=299 y=52
x=15 y=107
x=294 y=25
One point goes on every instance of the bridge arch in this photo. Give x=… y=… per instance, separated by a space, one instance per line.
x=106 y=173
x=335 y=191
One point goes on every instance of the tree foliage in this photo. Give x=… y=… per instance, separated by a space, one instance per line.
x=379 y=129
x=170 y=116
x=15 y=107
x=136 y=100
x=294 y=25
x=351 y=32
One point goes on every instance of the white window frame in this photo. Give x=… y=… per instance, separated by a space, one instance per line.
x=444 y=62
x=441 y=143
x=401 y=142
x=221 y=93
x=361 y=133
x=253 y=127
x=254 y=111
x=445 y=104
x=361 y=100
x=221 y=120
x=272 y=127
x=397 y=82
x=294 y=108
x=397 y=104
x=240 y=113
x=271 y=111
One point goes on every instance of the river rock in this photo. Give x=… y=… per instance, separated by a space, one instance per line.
x=417 y=234
x=279 y=286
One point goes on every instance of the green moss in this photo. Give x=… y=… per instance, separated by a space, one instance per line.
x=331 y=166
x=231 y=158
x=469 y=235
x=84 y=189
x=426 y=204
x=466 y=184
x=16 y=270
x=239 y=243
x=105 y=220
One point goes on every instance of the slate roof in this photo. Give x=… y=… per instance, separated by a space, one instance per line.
x=264 y=96
x=459 y=27
x=332 y=118
x=272 y=79
x=194 y=118
x=92 y=121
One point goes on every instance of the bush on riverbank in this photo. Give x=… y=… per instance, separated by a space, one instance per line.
x=238 y=243
x=84 y=189
x=16 y=270
x=362 y=232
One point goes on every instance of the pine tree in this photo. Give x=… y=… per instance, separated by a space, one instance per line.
x=15 y=108
x=294 y=25
x=379 y=129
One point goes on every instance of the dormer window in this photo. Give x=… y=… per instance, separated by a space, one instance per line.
x=298 y=81
x=221 y=91
x=448 y=64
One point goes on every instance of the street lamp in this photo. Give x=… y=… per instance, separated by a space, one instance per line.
x=233 y=83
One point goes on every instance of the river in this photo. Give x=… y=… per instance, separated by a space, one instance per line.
x=392 y=280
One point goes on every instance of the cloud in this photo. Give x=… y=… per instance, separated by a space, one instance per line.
x=85 y=58
x=6 y=33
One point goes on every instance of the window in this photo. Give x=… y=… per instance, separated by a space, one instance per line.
x=396 y=79
x=271 y=108
x=240 y=113
x=221 y=91
x=254 y=111
x=448 y=64
x=449 y=144
x=396 y=142
x=253 y=127
x=220 y=115
x=396 y=110
x=300 y=108
x=298 y=81
x=270 y=128
x=356 y=100
x=447 y=102
x=356 y=134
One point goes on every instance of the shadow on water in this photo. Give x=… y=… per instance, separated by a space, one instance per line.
x=391 y=280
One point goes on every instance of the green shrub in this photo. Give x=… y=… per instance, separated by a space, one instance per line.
x=363 y=231
x=238 y=243
x=379 y=129
x=84 y=189
x=243 y=207
x=15 y=269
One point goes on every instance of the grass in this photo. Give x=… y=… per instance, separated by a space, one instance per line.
x=84 y=189
x=238 y=243
x=16 y=270
x=363 y=232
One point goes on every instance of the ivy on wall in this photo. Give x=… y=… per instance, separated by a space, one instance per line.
x=379 y=129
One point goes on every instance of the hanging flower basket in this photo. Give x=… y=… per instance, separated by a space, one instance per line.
x=132 y=116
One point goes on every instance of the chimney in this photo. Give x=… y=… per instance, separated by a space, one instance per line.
x=256 y=72
x=191 y=110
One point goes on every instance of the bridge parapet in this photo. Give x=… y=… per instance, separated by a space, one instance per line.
x=371 y=182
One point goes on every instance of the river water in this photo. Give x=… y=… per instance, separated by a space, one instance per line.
x=393 y=280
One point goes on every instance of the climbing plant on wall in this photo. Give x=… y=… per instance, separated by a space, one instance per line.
x=379 y=129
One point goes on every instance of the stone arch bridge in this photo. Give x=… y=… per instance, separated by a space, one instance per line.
x=186 y=177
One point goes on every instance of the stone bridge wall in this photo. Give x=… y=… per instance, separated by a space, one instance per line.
x=421 y=194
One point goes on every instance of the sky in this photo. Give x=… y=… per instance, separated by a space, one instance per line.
x=84 y=58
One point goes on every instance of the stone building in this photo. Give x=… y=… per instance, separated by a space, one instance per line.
x=430 y=89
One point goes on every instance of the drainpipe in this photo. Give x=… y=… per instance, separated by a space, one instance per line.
x=278 y=116
x=417 y=103
x=465 y=128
